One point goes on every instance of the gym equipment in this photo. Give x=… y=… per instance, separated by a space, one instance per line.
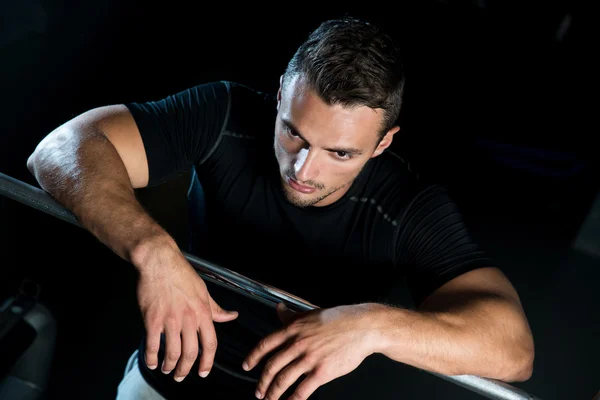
x=259 y=291
x=27 y=344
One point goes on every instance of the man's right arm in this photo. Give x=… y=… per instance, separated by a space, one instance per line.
x=91 y=165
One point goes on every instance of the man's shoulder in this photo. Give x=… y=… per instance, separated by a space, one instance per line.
x=394 y=186
x=391 y=172
x=227 y=90
x=248 y=96
x=252 y=111
x=248 y=89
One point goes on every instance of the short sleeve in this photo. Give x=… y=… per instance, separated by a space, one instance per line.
x=434 y=245
x=182 y=129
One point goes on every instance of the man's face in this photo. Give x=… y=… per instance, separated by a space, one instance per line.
x=321 y=148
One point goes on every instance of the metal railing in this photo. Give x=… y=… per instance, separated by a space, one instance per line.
x=259 y=291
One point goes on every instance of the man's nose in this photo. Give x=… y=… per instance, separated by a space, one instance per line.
x=306 y=166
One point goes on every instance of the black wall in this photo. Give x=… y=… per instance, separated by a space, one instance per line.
x=497 y=106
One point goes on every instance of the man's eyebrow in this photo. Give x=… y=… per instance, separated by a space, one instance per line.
x=349 y=150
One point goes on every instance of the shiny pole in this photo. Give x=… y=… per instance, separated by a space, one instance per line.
x=259 y=291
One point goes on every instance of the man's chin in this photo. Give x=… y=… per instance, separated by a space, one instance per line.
x=298 y=199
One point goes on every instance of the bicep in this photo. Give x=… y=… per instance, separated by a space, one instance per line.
x=116 y=123
x=481 y=283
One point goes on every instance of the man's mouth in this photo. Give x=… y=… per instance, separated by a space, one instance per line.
x=299 y=187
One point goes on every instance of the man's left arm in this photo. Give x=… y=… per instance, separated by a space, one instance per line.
x=473 y=325
x=468 y=319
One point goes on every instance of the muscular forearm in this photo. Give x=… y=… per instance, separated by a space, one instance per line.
x=487 y=338
x=82 y=170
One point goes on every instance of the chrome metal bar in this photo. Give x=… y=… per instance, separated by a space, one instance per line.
x=258 y=291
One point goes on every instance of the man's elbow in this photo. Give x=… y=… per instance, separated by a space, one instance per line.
x=523 y=369
x=520 y=368
x=31 y=163
x=526 y=364
x=35 y=157
x=47 y=150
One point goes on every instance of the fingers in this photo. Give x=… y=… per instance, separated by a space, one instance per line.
x=265 y=346
x=286 y=378
x=208 y=342
x=153 y=331
x=281 y=371
x=220 y=315
x=208 y=336
x=307 y=387
x=189 y=347
x=172 y=344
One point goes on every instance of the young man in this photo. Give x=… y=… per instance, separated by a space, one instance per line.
x=321 y=209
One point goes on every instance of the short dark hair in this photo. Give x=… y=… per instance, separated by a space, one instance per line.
x=351 y=62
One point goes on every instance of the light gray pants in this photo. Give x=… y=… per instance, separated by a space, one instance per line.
x=133 y=386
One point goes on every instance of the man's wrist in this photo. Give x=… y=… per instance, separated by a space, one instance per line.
x=384 y=325
x=149 y=248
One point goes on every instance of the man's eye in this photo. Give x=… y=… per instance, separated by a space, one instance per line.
x=342 y=154
x=289 y=131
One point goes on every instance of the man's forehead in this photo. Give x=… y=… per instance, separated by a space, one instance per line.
x=308 y=114
x=298 y=95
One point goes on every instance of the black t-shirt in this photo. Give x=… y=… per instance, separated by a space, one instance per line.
x=389 y=227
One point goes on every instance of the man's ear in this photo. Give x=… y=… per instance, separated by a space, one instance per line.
x=385 y=141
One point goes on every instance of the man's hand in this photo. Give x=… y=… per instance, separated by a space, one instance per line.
x=321 y=344
x=175 y=301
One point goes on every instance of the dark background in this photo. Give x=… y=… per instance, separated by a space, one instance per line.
x=498 y=107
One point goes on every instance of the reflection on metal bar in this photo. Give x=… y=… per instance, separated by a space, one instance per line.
x=259 y=291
